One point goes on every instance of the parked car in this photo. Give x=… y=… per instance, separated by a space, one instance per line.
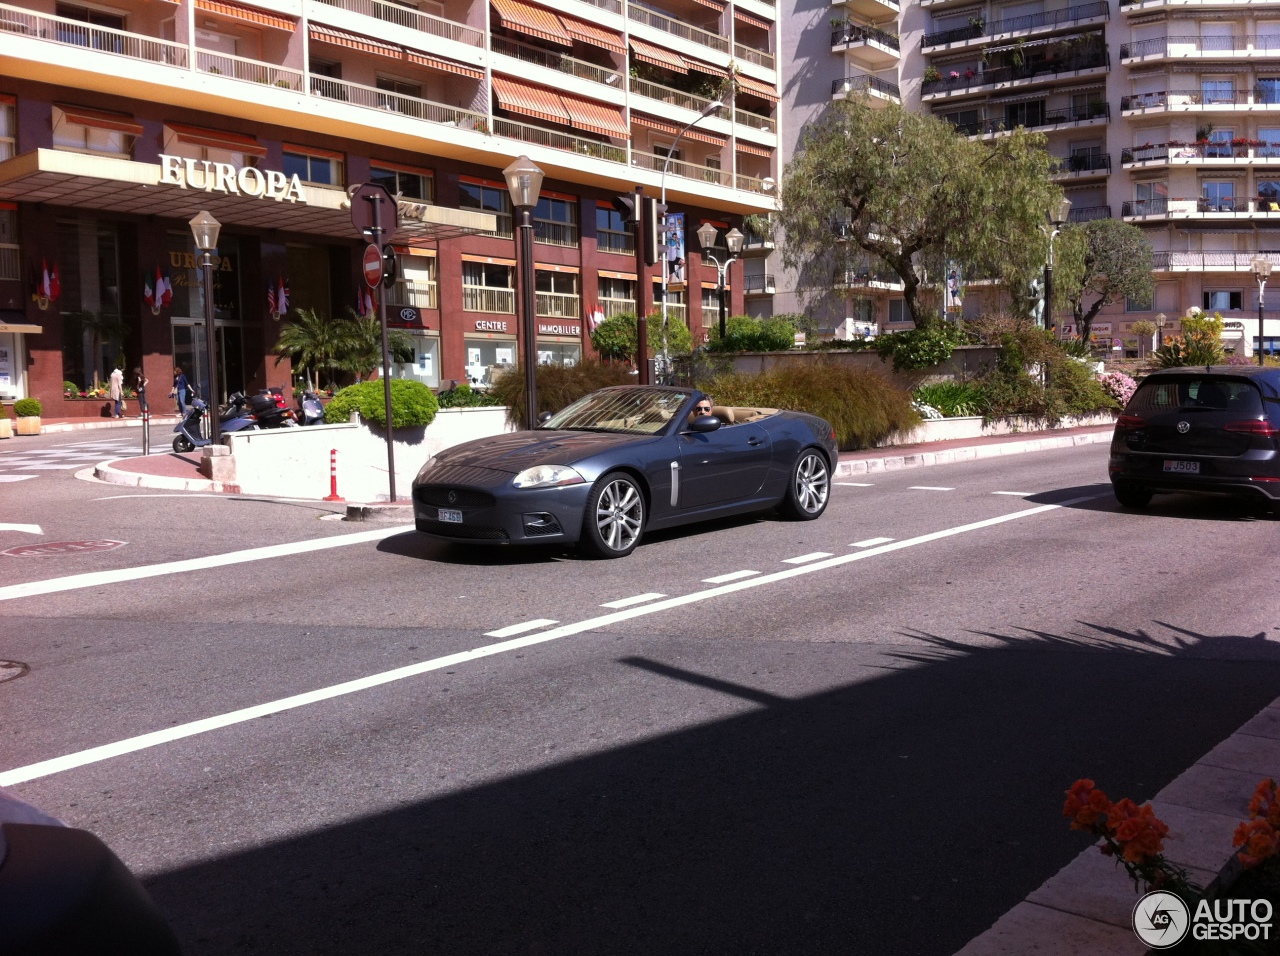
x=1210 y=430
x=622 y=461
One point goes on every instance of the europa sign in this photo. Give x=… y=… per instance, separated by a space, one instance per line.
x=225 y=178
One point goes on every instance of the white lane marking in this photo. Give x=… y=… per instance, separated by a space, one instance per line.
x=46 y=768
x=928 y=488
x=731 y=576
x=869 y=542
x=638 y=599
x=805 y=558
x=17 y=477
x=28 y=528
x=854 y=484
x=1016 y=494
x=187 y=494
x=514 y=629
x=91 y=579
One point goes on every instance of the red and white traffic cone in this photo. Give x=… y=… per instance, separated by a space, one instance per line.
x=333 y=477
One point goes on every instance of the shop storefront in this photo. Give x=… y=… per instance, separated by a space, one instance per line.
x=491 y=345
x=559 y=343
x=13 y=330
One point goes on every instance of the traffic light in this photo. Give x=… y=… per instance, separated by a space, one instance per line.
x=390 y=266
x=626 y=207
x=652 y=231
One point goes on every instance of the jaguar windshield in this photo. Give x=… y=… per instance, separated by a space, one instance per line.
x=637 y=411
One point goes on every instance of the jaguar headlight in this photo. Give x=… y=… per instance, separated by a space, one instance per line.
x=547 y=476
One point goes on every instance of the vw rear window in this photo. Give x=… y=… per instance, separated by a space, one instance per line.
x=1235 y=395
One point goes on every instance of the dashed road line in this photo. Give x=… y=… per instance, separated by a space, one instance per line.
x=731 y=576
x=870 y=542
x=28 y=528
x=854 y=484
x=806 y=558
x=929 y=488
x=512 y=630
x=638 y=599
x=1015 y=494
x=17 y=477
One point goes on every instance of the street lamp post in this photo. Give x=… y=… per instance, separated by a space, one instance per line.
x=1261 y=270
x=524 y=181
x=707 y=110
x=205 y=230
x=1161 y=319
x=733 y=239
x=1058 y=213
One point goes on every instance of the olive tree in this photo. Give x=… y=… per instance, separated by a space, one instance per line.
x=1100 y=263
x=911 y=193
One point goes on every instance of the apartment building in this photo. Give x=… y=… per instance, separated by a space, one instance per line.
x=1165 y=113
x=119 y=121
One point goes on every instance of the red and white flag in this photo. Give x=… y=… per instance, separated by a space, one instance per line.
x=55 y=284
x=45 y=287
x=282 y=296
x=164 y=287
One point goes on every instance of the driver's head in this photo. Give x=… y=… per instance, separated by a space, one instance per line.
x=701 y=407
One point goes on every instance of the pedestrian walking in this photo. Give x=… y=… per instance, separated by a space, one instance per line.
x=117 y=392
x=140 y=386
x=180 y=389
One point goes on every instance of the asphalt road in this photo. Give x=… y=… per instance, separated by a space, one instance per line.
x=864 y=751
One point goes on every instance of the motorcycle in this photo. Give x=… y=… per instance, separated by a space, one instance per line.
x=233 y=418
x=271 y=411
x=310 y=410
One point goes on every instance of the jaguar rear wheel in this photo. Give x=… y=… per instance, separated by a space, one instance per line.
x=809 y=488
x=614 y=518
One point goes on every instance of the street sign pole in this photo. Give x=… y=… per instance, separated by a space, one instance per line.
x=386 y=352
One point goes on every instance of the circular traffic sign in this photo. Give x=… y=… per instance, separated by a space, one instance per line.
x=372 y=266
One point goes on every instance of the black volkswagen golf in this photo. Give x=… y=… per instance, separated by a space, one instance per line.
x=1207 y=430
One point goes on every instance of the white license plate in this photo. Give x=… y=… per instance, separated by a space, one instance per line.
x=450 y=515
x=1183 y=467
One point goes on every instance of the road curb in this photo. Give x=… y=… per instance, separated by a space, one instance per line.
x=380 y=511
x=133 y=479
x=52 y=428
x=869 y=466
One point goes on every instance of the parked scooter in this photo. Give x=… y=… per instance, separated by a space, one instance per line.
x=271 y=411
x=310 y=410
x=234 y=418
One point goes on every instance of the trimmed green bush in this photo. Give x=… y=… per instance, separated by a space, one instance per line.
x=616 y=336
x=915 y=349
x=953 y=399
x=558 y=385
x=27 y=408
x=464 y=396
x=742 y=333
x=412 y=404
x=862 y=406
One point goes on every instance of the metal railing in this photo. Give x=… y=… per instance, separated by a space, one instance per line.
x=613 y=6
x=554 y=61
x=1033 y=21
x=860 y=276
x=1144 y=207
x=1183 y=45
x=863 y=83
x=685 y=170
x=758 y=285
x=754 y=120
x=853 y=32
x=622 y=243
x=1210 y=261
x=1167 y=99
x=1047 y=118
x=751 y=55
x=374 y=98
x=1008 y=74
x=479 y=298
x=678 y=28
x=413 y=19
x=552 y=233
x=612 y=307
x=1088 y=213
x=252 y=71
x=134 y=46
x=667 y=94
x=557 y=305
x=420 y=295
x=753 y=184
x=1163 y=152
x=1090 y=161
x=554 y=140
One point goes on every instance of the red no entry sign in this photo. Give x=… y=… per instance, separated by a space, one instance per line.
x=372 y=265
x=62 y=547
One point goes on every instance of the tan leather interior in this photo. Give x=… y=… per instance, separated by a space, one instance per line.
x=724 y=413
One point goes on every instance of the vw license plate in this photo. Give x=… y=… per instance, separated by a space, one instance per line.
x=450 y=515
x=1183 y=467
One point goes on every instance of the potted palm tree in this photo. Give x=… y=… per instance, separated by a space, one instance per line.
x=28 y=412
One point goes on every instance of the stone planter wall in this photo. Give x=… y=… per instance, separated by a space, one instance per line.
x=942 y=429
x=967 y=361
x=294 y=462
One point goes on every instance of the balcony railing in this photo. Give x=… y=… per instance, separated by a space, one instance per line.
x=413 y=19
x=675 y=310
x=1229 y=205
x=1008 y=74
x=677 y=28
x=667 y=94
x=864 y=82
x=853 y=32
x=758 y=285
x=1186 y=45
x=613 y=6
x=1169 y=99
x=1164 y=152
x=1210 y=261
x=420 y=295
x=557 y=305
x=1088 y=213
x=252 y=71
x=754 y=120
x=621 y=243
x=861 y=276
x=554 y=61
x=1081 y=163
x=752 y=55
x=1144 y=207
x=1032 y=21
x=555 y=140
x=612 y=307
x=373 y=98
x=1094 y=111
x=721 y=177
x=134 y=46
x=555 y=233
x=478 y=298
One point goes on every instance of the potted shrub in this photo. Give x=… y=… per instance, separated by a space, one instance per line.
x=28 y=412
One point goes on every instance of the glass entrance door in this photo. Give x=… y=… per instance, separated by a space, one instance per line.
x=189 y=353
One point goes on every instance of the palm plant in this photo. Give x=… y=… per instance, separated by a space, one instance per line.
x=104 y=330
x=361 y=349
x=312 y=340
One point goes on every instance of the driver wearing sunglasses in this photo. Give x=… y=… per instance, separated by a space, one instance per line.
x=703 y=407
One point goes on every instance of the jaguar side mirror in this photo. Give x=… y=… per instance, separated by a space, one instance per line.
x=544 y=418
x=704 y=423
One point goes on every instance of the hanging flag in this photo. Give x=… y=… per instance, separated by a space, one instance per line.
x=271 y=299
x=44 y=280
x=55 y=284
x=148 y=293
x=595 y=318
x=164 y=295
x=282 y=296
x=364 y=302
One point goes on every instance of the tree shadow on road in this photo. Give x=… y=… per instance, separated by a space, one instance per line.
x=900 y=813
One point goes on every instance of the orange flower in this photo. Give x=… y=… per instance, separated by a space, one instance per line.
x=1085 y=805
x=1265 y=803
x=1137 y=829
x=1259 y=840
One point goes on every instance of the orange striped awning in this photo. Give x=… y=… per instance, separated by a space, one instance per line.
x=532 y=21
x=716 y=5
x=530 y=100
x=673 y=129
x=595 y=117
x=658 y=56
x=763 y=90
x=217 y=139
x=706 y=67
x=355 y=41
x=593 y=35
x=101 y=119
x=752 y=149
x=446 y=66
x=750 y=19
x=250 y=14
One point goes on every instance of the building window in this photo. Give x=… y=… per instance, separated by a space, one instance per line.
x=488 y=287
x=401 y=96
x=1219 y=146
x=556 y=295
x=425 y=367
x=83 y=138
x=8 y=131
x=9 y=256
x=1139 y=305
x=898 y=311
x=676 y=307
x=617 y=295
x=1267 y=90
x=613 y=233
x=488 y=198
x=1217 y=91
x=1088 y=105
x=1218 y=196
x=1024 y=114
x=1222 y=300
x=555 y=221
x=98 y=39
x=415 y=282
x=420 y=187
x=1269 y=195
x=177 y=144
x=323 y=169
